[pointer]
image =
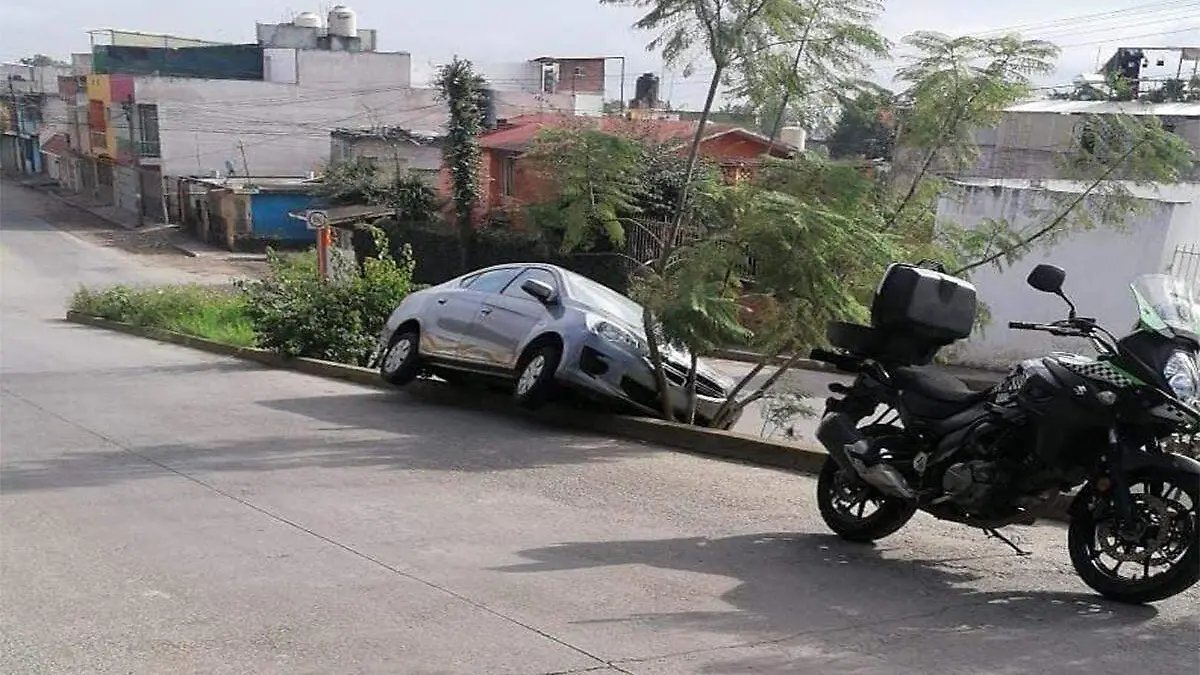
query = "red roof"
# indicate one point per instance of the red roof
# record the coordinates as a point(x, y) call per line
point(518, 133)
point(56, 144)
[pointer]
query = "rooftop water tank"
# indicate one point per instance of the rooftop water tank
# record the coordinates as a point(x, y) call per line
point(307, 20)
point(343, 22)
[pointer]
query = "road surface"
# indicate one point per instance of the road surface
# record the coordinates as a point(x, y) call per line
point(169, 511)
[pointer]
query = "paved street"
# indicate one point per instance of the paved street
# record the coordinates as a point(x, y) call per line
point(168, 511)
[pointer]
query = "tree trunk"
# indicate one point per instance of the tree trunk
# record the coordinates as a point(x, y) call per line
point(787, 93)
point(668, 246)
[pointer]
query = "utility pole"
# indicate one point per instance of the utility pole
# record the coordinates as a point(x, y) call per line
point(245, 164)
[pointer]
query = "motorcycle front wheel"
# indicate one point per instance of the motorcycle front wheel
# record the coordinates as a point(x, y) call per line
point(1153, 558)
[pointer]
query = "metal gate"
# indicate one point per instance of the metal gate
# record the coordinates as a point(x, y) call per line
point(1186, 264)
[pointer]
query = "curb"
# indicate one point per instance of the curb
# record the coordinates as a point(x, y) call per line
point(725, 445)
point(111, 221)
point(978, 382)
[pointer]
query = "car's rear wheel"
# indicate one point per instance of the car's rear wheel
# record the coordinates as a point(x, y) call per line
point(401, 362)
point(535, 375)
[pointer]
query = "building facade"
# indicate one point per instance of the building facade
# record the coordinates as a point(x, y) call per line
point(162, 106)
point(31, 113)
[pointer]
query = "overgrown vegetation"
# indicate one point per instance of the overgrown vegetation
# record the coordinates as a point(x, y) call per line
point(407, 193)
point(203, 311)
point(462, 89)
point(291, 311)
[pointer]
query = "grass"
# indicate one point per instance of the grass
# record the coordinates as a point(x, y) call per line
point(201, 311)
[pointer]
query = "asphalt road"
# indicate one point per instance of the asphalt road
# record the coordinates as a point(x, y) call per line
point(168, 511)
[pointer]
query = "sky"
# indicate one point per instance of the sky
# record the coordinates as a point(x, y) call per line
point(487, 31)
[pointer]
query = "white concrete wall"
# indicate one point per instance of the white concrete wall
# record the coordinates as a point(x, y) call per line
point(336, 70)
point(284, 128)
point(1100, 264)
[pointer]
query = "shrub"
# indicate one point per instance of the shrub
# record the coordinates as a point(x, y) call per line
point(203, 311)
point(296, 314)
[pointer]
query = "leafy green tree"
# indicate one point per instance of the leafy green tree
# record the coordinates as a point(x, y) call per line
point(956, 86)
point(730, 34)
point(802, 83)
point(865, 128)
point(42, 60)
point(462, 89)
point(348, 182)
point(594, 176)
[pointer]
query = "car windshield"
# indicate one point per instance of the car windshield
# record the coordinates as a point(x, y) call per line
point(1167, 304)
point(603, 298)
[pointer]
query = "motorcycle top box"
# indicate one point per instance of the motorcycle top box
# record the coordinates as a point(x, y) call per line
point(915, 312)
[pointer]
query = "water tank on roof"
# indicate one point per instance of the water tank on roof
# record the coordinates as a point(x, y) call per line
point(307, 20)
point(646, 91)
point(343, 22)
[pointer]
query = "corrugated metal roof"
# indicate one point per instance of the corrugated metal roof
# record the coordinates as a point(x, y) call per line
point(1108, 108)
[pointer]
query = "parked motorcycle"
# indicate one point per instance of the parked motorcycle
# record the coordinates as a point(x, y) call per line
point(906, 437)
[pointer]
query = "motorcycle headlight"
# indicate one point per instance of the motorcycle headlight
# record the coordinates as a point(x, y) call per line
point(1183, 376)
point(618, 336)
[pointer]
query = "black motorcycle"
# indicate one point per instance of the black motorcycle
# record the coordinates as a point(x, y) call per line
point(906, 437)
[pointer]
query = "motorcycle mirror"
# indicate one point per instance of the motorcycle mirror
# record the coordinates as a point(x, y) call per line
point(1047, 279)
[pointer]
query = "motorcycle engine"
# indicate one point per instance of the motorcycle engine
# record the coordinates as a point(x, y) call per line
point(970, 484)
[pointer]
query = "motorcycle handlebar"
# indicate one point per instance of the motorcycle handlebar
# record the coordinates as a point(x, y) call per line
point(1021, 325)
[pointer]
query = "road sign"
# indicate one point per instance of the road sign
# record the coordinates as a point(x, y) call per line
point(317, 219)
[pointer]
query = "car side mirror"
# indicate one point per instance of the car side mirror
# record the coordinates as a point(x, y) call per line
point(1047, 279)
point(540, 290)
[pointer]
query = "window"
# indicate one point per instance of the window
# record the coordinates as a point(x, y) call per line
point(493, 281)
point(507, 176)
point(543, 275)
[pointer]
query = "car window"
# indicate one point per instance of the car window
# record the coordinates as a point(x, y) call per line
point(493, 281)
point(542, 275)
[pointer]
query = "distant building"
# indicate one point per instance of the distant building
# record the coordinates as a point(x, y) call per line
point(158, 106)
point(508, 181)
point(391, 150)
point(31, 114)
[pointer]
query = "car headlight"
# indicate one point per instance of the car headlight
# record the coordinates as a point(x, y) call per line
point(1183, 376)
point(618, 336)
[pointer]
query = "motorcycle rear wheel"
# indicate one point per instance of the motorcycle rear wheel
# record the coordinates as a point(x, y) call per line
point(1170, 534)
point(842, 502)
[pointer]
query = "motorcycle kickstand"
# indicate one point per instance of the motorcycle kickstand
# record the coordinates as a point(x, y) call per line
point(993, 532)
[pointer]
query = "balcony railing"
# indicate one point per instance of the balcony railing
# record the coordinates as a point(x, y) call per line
point(149, 149)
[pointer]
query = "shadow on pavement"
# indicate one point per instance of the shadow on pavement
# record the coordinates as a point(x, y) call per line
point(423, 431)
point(813, 599)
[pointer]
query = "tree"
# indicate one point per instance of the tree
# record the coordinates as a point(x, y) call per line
point(348, 182)
point(730, 33)
point(38, 60)
point(463, 91)
point(866, 127)
point(957, 86)
point(837, 41)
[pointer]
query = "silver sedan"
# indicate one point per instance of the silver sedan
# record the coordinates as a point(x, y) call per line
point(541, 327)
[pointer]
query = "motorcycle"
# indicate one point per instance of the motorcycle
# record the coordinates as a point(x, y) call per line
point(905, 436)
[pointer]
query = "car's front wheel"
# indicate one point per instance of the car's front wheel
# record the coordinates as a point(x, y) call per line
point(401, 362)
point(535, 375)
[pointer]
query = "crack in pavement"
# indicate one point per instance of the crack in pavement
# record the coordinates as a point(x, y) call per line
point(328, 540)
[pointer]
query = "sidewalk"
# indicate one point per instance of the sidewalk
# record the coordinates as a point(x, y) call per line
point(174, 234)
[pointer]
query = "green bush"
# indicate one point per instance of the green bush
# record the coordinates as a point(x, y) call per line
point(296, 314)
point(203, 311)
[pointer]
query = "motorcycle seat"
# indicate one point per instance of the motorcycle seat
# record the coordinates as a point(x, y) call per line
point(931, 393)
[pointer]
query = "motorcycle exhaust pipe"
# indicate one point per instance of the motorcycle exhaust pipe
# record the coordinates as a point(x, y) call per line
point(839, 433)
